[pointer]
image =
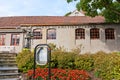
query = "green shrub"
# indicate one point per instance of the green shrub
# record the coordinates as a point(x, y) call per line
point(25, 60)
point(84, 61)
point(104, 65)
point(62, 59)
point(107, 66)
point(66, 60)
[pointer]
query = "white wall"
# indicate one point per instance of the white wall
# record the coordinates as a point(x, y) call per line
point(65, 37)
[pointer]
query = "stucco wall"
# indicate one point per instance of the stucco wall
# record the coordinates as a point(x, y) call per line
point(17, 48)
point(65, 37)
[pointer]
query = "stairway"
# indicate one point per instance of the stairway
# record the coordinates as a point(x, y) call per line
point(8, 66)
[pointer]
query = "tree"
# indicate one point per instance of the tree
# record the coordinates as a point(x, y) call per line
point(110, 9)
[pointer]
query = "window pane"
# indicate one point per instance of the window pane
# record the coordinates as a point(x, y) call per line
point(15, 38)
point(51, 34)
point(2, 39)
point(80, 33)
point(109, 33)
point(37, 34)
point(94, 33)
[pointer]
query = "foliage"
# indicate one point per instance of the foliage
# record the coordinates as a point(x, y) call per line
point(67, 14)
point(52, 46)
point(66, 60)
point(110, 9)
point(62, 59)
point(60, 74)
point(104, 65)
point(110, 15)
point(107, 66)
point(84, 61)
point(25, 60)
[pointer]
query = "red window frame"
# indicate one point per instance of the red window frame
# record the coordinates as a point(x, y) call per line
point(37, 34)
point(109, 33)
point(2, 39)
point(94, 33)
point(15, 39)
point(80, 33)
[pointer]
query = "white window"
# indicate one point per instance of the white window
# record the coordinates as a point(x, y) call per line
point(15, 39)
point(2, 39)
point(51, 34)
point(37, 34)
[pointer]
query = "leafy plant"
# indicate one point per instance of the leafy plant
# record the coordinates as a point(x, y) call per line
point(107, 65)
point(85, 62)
point(25, 60)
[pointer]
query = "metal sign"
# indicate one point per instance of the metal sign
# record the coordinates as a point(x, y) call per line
point(42, 55)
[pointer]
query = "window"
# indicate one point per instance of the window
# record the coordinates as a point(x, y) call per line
point(94, 33)
point(37, 34)
point(109, 33)
point(80, 33)
point(2, 39)
point(15, 39)
point(51, 34)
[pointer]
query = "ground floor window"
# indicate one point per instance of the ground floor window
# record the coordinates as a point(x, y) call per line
point(109, 33)
point(2, 39)
point(37, 34)
point(80, 33)
point(15, 39)
point(51, 34)
point(94, 33)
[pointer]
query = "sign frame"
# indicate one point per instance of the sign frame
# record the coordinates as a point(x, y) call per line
point(48, 58)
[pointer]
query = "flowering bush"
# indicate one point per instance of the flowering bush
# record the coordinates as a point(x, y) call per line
point(59, 74)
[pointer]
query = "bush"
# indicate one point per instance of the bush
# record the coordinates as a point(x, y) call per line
point(85, 62)
point(104, 65)
point(25, 60)
point(62, 59)
point(66, 60)
point(107, 66)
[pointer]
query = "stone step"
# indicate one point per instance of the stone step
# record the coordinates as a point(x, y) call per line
point(8, 68)
point(8, 54)
point(7, 61)
point(7, 64)
point(11, 79)
point(8, 71)
point(9, 75)
point(7, 58)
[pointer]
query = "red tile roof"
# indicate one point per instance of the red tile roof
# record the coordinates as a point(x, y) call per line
point(13, 22)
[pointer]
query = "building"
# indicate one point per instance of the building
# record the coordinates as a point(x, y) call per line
point(92, 34)
point(77, 13)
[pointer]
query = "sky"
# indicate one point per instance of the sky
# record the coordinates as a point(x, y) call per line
point(35, 7)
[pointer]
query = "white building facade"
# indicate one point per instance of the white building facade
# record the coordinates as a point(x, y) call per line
point(92, 35)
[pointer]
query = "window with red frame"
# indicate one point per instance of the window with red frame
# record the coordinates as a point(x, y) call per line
point(51, 34)
point(109, 33)
point(80, 33)
point(2, 39)
point(94, 33)
point(37, 34)
point(15, 39)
